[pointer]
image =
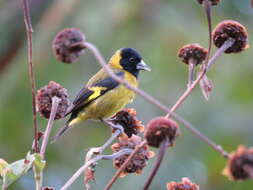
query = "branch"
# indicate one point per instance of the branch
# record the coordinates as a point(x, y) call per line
point(124, 165)
point(218, 53)
point(92, 161)
point(162, 150)
point(155, 102)
point(99, 150)
point(29, 30)
point(55, 103)
point(207, 7)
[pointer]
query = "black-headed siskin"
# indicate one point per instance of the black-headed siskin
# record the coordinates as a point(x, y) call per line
point(102, 97)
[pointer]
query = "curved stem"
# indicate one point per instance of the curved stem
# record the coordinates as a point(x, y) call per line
point(207, 7)
point(55, 103)
point(99, 150)
point(124, 165)
point(90, 162)
point(227, 44)
point(29, 31)
point(162, 150)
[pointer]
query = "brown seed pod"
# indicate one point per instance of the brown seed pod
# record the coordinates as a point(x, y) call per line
point(44, 100)
point(47, 188)
point(186, 184)
point(230, 29)
point(193, 52)
point(159, 129)
point(128, 120)
point(240, 164)
point(213, 2)
point(139, 160)
point(68, 45)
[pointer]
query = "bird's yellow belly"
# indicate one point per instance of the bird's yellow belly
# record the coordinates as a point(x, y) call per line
point(108, 104)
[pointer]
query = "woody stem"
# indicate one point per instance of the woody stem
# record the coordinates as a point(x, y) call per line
point(162, 150)
point(227, 44)
point(29, 31)
point(92, 161)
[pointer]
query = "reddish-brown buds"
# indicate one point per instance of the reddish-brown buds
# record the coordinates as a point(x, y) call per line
point(213, 2)
point(230, 29)
point(193, 52)
point(159, 129)
point(44, 100)
point(139, 160)
point(128, 120)
point(68, 45)
point(47, 188)
point(240, 164)
point(186, 184)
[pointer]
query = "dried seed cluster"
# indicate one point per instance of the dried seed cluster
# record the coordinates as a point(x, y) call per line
point(140, 159)
point(213, 2)
point(68, 45)
point(128, 120)
point(44, 100)
point(230, 29)
point(240, 164)
point(193, 52)
point(47, 188)
point(186, 184)
point(159, 129)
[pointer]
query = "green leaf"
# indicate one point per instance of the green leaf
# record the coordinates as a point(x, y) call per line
point(39, 163)
point(12, 172)
point(3, 166)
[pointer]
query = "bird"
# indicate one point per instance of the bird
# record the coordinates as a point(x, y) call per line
point(102, 96)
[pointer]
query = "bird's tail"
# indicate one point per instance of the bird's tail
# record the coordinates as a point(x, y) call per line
point(60, 132)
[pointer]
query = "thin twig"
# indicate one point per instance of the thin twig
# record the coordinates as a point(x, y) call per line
point(162, 150)
point(55, 103)
point(207, 7)
point(38, 176)
point(191, 72)
point(218, 53)
point(155, 102)
point(90, 162)
point(124, 165)
point(99, 150)
point(29, 30)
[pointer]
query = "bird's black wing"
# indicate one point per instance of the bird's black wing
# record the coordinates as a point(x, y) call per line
point(91, 93)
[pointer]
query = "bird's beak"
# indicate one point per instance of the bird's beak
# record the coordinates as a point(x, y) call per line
point(142, 66)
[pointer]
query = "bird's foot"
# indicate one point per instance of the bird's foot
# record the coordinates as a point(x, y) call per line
point(114, 127)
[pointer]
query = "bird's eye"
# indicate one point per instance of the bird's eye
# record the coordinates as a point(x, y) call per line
point(131, 59)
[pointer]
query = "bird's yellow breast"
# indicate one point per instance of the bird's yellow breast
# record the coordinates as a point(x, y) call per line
point(111, 102)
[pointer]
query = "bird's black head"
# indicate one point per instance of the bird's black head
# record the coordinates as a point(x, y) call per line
point(129, 60)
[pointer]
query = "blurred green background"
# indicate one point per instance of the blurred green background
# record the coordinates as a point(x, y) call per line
point(157, 29)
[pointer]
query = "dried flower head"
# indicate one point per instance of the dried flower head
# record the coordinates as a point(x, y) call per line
point(140, 159)
point(213, 2)
point(186, 184)
point(193, 52)
point(159, 129)
point(128, 120)
point(44, 100)
point(230, 29)
point(240, 164)
point(68, 45)
point(47, 188)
